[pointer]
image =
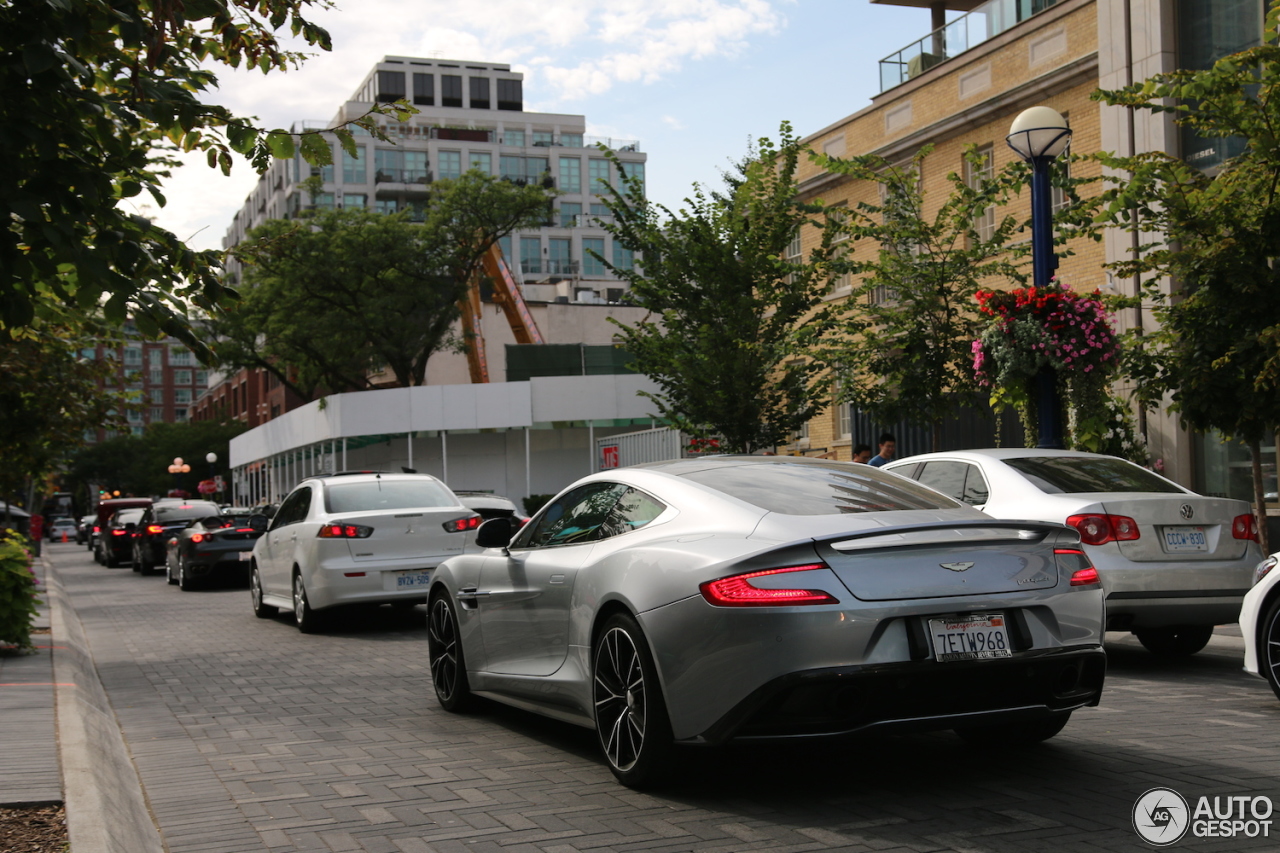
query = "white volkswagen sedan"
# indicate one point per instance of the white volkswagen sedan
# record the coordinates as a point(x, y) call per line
point(365, 538)
point(1173, 563)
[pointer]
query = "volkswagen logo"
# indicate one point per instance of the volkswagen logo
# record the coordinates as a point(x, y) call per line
point(957, 567)
point(1187, 511)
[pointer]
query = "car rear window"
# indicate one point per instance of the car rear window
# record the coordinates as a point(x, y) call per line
point(828, 488)
point(386, 495)
point(181, 512)
point(1057, 475)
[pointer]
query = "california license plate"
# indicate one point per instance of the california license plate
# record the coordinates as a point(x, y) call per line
point(976, 636)
point(1185, 538)
point(246, 555)
point(412, 580)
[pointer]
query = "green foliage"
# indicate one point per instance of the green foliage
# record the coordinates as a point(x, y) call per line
point(333, 296)
point(96, 97)
point(727, 304)
point(18, 599)
point(1217, 346)
point(900, 347)
point(49, 397)
point(138, 465)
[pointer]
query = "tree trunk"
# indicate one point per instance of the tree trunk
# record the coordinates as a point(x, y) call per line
point(1259, 501)
point(935, 439)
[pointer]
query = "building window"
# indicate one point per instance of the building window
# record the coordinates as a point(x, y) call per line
point(156, 397)
point(385, 205)
point(481, 161)
point(180, 415)
point(559, 255)
point(325, 172)
point(136, 430)
point(591, 265)
point(353, 199)
point(479, 93)
point(531, 255)
point(450, 90)
point(623, 258)
point(134, 416)
point(157, 414)
point(976, 174)
point(523, 170)
point(322, 201)
point(424, 90)
point(513, 137)
point(569, 213)
point(202, 378)
point(390, 86)
point(155, 358)
point(1060, 168)
point(1208, 30)
point(179, 355)
point(598, 176)
point(571, 174)
point(182, 377)
point(157, 376)
point(353, 168)
point(510, 96)
point(634, 172)
point(450, 163)
point(571, 140)
point(182, 396)
point(89, 353)
point(543, 139)
point(133, 355)
point(504, 243)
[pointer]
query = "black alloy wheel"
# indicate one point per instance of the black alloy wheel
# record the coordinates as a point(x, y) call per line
point(1269, 646)
point(1177, 641)
point(1014, 735)
point(631, 717)
point(444, 652)
point(262, 611)
point(307, 620)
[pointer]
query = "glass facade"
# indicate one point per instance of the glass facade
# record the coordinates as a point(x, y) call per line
point(1208, 30)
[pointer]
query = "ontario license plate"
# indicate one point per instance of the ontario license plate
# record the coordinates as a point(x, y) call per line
point(976, 636)
point(246, 555)
point(411, 580)
point(1185, 538)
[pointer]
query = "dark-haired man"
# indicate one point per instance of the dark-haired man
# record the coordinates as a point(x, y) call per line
point(887, 445)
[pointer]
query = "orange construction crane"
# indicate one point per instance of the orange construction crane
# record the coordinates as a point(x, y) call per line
point(505, 293)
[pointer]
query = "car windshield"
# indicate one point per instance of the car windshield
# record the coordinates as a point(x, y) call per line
point(828, 488)
point(170, 513)
point(380, 495)
point(1057, 475)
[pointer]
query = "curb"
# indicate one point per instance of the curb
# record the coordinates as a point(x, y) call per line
point(106, 809)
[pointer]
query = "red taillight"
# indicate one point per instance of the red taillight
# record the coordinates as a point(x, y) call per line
point(1245, 527)
point(1082, 571)
point(461, 525)
point(198, 537)
point(97, 529)
point(119, 532)
point(1097, 529)
point(738, 591)
point(245, 530)
point(154, 528)
point(344, 531)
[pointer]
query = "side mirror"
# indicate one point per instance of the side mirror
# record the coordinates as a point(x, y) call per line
point(495, 533)
point(259, 522)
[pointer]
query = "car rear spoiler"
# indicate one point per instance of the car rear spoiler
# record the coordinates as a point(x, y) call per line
point(1040, 529)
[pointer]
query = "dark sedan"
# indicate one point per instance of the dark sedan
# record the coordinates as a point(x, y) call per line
point(115, 540)
point(158, 526)
point(213, 547)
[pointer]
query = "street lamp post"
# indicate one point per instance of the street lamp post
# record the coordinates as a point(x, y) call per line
point(177, 469)
point(1040, 135)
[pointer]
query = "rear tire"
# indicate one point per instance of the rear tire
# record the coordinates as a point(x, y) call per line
point(1269, 647)
point(109, 558)
point(1178, 641)
point(444, 651)
point(186, 583)
point(1014, 735)
point(632, 726)
point(168, 574)
point(307, 620)
point(262, 611)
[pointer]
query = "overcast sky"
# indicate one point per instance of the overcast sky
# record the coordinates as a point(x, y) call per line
point(692, 80)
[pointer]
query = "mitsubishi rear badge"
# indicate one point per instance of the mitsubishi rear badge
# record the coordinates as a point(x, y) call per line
point(957, 567)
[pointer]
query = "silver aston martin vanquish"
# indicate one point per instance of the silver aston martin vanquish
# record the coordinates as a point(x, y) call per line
point(703, 600)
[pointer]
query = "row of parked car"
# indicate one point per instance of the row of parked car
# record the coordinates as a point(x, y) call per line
point(709, 599)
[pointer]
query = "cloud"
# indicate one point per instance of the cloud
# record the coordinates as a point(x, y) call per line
point(673, 122)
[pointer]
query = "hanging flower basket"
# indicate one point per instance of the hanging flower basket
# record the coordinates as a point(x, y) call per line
point(1051, 330)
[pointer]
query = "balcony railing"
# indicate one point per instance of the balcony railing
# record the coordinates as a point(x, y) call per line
point(964, 33)
point(402, 176)
point(543, 180)
point(611, 143)
point(552, 266)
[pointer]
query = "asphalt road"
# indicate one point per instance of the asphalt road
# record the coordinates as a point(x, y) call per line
point(250, 736)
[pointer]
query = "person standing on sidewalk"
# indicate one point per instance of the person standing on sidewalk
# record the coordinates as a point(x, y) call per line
point(887, 446)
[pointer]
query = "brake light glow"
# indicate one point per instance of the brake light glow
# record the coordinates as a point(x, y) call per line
point(1098, 529)
point(119, 532)
point(1084, 574)
point(738, 591)
point(461, 525)
point(1085, 577)
point(154, 528)
point(344, 531)
point(198, 537)
point(1245, 527)
point(97, 529)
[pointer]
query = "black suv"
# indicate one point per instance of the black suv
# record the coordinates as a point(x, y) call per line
point(159, 524)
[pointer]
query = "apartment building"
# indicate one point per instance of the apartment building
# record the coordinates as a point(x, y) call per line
point(471, 116)
point(964, 81)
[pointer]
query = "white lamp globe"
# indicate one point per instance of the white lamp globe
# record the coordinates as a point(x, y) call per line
point(1039, 132)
